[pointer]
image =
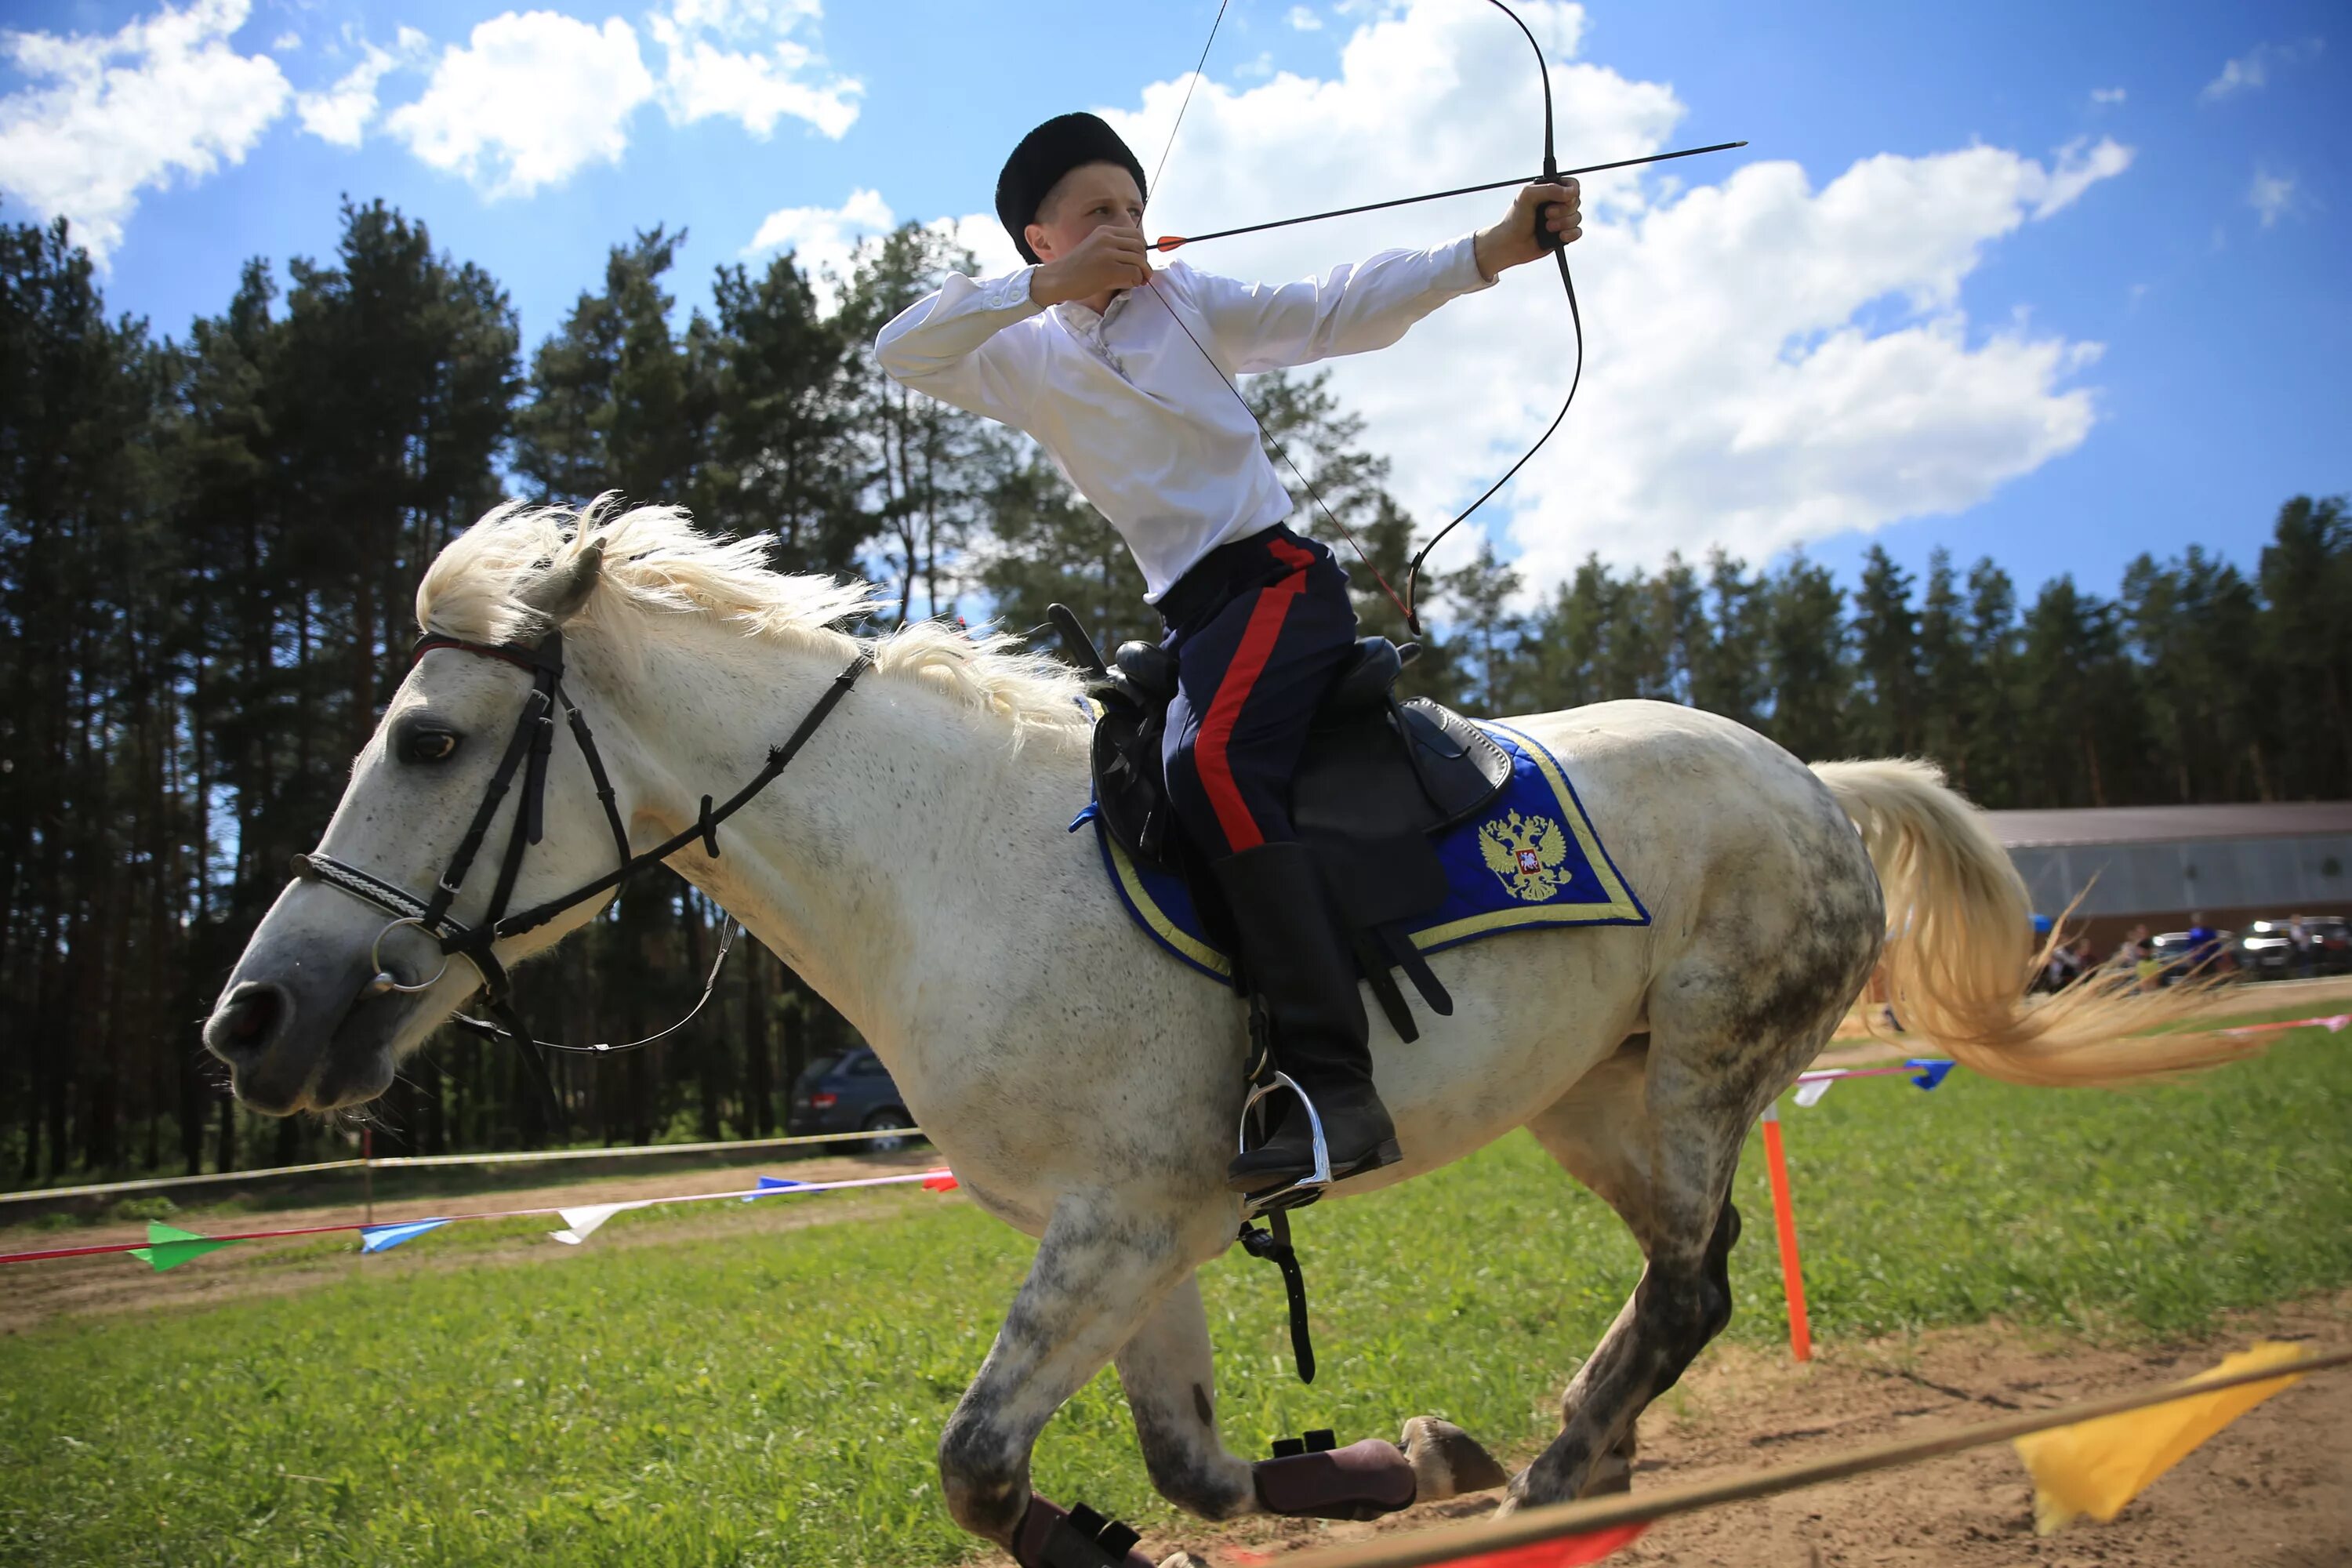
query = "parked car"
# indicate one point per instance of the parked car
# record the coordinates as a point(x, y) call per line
point(2331, 944)
point(850, 1093)
point(2179, 956)
point(2267, 950)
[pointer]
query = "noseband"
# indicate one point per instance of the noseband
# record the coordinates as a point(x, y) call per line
point(526, 753)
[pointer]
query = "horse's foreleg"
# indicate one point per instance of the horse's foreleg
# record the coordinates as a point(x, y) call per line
point(1101, 1269)
point(1171, 1388)
point(1169, 1376)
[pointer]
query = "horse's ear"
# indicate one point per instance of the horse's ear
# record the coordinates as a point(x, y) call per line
point(558, 595)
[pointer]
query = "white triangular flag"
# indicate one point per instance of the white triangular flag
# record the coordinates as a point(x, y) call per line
point(1811, 1091)
point(581, 1222)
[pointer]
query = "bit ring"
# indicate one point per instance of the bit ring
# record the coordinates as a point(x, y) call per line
point(384, 980)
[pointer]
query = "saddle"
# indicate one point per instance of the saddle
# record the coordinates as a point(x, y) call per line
point(1377, 779)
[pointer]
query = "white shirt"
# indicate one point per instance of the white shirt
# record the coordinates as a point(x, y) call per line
point(1131, 410)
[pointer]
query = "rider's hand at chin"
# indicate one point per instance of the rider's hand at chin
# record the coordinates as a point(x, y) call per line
point(1110, 257)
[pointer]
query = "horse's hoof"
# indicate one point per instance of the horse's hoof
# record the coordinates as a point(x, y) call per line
point(1613, 1473)
point(1184, 1559)
point(1447, 1461)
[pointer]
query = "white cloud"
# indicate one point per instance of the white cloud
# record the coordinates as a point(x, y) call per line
point(2078, 166)
point(534, 95)
point(984, 236)
point(701, 81)
point(2272, 196)
point(1768, 362)
point(286, 43)
point(823, 239)
point(531, 98)
point(2251, 71)
point(701, 78)
point(341, 113)
point(1304, 20)
point(104, 118)
point(2104, 96)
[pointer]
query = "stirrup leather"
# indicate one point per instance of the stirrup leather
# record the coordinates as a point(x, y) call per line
point(1306, 1188)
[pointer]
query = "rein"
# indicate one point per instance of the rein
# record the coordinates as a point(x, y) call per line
point(526, 753)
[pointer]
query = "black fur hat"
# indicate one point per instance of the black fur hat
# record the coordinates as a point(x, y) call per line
point(1064, 143)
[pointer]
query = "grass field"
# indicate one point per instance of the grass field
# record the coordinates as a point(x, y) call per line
point(775, 1397)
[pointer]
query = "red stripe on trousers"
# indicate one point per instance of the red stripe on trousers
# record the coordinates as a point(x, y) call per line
point(1265, 629)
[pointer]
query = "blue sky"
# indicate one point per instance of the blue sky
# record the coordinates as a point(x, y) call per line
point(2053, 284)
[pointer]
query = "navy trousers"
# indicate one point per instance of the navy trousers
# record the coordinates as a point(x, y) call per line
point(1260, 629)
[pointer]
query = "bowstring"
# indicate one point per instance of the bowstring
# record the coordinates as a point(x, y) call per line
point(1170, 145)
point(1151, 284)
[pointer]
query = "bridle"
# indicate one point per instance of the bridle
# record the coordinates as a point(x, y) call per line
point(526, 753)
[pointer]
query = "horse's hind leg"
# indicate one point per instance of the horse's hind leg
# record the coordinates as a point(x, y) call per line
point(1657, 1132)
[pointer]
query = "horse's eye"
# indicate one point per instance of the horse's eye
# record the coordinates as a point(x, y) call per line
point(427, 746)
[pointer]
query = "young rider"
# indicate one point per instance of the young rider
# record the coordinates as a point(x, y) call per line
point(1086, 350)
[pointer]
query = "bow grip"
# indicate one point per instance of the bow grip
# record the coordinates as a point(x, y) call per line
point(1545, 238)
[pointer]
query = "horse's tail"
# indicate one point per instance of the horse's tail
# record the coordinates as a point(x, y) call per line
point(1959, 949)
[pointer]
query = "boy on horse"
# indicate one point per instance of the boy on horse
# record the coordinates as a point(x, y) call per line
point(1151, 430)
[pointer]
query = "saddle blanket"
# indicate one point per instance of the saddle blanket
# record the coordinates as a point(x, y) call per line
point(1530, 859)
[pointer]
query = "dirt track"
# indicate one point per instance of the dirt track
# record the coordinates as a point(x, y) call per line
point(2273, 1491)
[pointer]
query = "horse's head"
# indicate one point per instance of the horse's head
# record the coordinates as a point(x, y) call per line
point(307, 1019)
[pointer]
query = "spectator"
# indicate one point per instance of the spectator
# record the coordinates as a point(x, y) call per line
point(2203, 943)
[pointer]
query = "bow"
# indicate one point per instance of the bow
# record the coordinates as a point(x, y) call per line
point(1557, 245)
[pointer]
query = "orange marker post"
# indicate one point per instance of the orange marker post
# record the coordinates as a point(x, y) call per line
point(1784, 1221)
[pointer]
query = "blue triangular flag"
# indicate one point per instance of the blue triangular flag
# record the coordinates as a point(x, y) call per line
point(774, 1184)
point(1931, 1070)
point(385, 1237)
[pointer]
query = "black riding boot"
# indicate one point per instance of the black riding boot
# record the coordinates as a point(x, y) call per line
point(1302, 973)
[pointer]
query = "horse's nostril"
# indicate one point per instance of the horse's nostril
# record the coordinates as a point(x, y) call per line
point(251, 1015)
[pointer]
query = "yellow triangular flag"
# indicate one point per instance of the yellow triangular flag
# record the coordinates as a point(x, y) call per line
point(2095, 1467)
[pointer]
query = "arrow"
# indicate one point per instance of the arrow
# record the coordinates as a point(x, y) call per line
point(1168, 242)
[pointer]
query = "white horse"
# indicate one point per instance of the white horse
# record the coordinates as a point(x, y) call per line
point(912, 865)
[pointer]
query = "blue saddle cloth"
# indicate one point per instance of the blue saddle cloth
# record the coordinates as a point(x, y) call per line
point(1530, 859)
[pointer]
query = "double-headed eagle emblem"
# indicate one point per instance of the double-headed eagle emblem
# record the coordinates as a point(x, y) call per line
point(1527, 853)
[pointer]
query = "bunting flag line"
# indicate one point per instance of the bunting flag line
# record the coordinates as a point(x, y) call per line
point(168, 1246)
point(1926, 1072)
point(772, 1184)
point(2333, 1026)
point(385, 1237)
point(1929, 1072)
point(2097, 1467)
point(580, 1224)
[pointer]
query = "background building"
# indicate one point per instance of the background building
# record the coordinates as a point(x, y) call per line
point(2157, 865)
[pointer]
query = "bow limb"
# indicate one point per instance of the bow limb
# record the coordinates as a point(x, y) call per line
point(1559, 248)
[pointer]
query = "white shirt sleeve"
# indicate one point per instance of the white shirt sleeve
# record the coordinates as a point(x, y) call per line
point(952, 345)
point(1351, 310)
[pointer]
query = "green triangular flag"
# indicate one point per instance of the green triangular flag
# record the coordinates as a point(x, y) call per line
point(168, 1246)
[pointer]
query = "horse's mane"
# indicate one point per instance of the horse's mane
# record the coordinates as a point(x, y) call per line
point(655, 560)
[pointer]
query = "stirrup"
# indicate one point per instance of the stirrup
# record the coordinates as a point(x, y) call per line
point(1297, 1195)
